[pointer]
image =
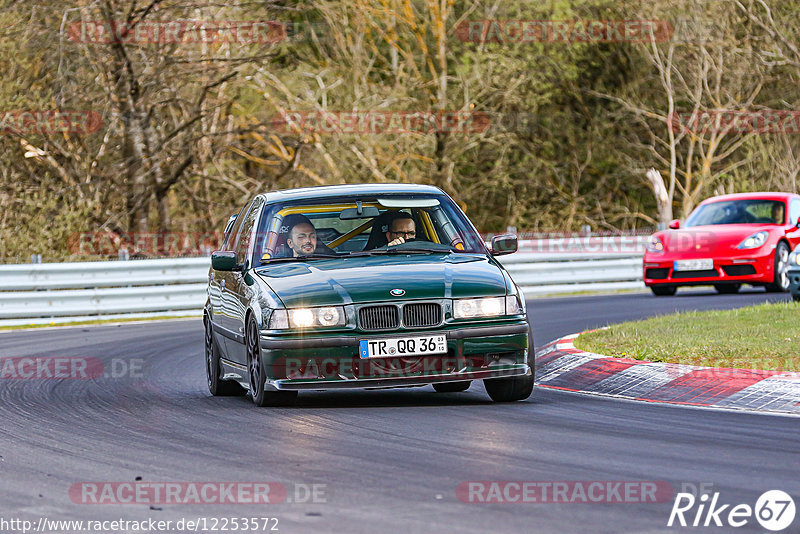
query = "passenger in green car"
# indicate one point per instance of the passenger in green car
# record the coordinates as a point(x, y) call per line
point(301, 237)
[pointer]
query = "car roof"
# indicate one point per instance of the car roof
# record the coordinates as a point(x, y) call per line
point(751, 196)
point(349, 189)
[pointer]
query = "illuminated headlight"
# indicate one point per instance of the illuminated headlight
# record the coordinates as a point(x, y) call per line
point(307, 318)
point(755, 240)
point(486, 307)
point(655, 245)
point(302, 318)
point(794, 258)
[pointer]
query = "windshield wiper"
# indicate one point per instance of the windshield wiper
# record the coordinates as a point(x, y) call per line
point(396, 251)
point(426, 250)
point(373, 253)
point(302, 257)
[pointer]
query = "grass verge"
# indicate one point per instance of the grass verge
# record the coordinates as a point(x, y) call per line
point(766, 337)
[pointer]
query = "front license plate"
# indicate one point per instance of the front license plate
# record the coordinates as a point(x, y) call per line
point(402, 346)
point(693, 265)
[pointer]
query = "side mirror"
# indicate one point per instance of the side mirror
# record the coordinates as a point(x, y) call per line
point(674, 224)
point(224, 260)
point(504, 244)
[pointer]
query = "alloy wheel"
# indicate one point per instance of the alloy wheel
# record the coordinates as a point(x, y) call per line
point(782, 266)
point(209, 346)
point(253, 358)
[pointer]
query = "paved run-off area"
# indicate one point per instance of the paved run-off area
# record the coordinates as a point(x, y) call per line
point(390, 459)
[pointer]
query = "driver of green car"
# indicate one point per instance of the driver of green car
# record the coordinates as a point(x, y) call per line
point(401, 229)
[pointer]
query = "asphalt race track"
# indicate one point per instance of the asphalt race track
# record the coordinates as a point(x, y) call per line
point(389, 460)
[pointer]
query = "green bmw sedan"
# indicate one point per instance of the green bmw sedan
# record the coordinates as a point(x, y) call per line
point(362, 286)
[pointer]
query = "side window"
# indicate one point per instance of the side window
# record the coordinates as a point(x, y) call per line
point(230, 237)
point(246, 232)
point(229, 225)
point(794, 211)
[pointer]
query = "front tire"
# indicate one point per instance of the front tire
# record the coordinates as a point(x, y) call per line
point(663, 291)
point(216, 385)
point(780, 283)
point(511, 389)
point(258, 376)
point(727, 289)
point(452, 387)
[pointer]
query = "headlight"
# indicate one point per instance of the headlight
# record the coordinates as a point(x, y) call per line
point(307, 318)
point(302, 318)
point(513, 306)
point(755, 240)
point(486, 307)
point(655, 245)
point(794, 258)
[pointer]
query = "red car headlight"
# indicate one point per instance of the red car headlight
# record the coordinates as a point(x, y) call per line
point(755, 240)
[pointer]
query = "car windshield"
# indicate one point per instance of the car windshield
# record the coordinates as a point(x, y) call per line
point(369, 225)
point(751, 211)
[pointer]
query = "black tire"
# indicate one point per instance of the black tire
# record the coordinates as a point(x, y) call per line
point(511, 389)
point(663, 291)
point(258, 375)
point(780, 282)
point(727, 289)
point(796, 297)
point(216, 385)
point(452, 387)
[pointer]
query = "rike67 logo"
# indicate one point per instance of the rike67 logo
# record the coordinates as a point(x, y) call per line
point(774, 510)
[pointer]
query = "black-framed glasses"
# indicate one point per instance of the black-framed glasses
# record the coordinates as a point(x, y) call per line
point(405, 235)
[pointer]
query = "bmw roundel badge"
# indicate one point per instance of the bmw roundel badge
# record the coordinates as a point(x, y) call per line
point(397, 292)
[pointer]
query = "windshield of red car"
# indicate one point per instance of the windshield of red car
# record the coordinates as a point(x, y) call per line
point(750, 211)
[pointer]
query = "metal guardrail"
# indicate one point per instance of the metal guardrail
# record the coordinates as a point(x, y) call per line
point(61, 292)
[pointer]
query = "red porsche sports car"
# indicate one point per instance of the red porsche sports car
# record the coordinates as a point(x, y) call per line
point(727, 241)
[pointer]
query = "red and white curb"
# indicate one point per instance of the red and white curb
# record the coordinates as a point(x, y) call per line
point(559, 365)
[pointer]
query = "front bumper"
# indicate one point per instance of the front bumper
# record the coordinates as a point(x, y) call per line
point(404, 381)
point(746, 268)
point(325, 363)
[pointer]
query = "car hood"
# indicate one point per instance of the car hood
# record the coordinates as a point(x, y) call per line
point(712, 239)
point(335, 281)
